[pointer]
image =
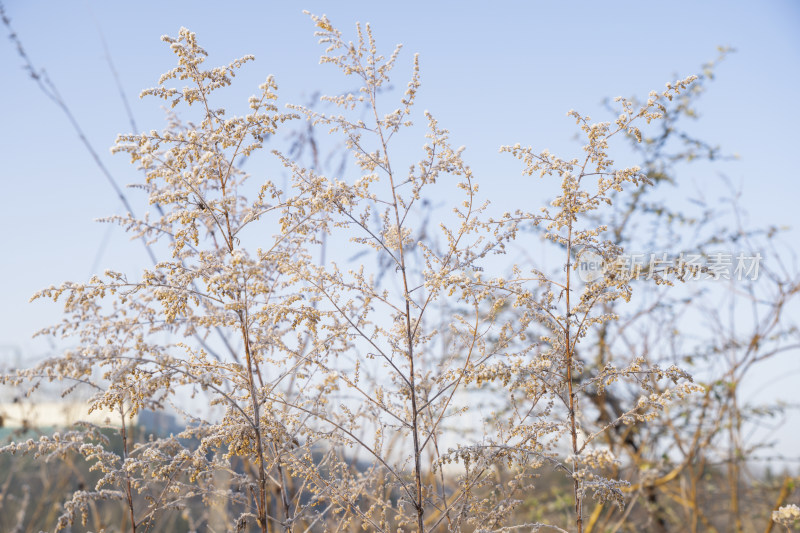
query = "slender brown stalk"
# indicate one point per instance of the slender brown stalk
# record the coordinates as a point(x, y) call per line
point(128, 489)
point(569, 352)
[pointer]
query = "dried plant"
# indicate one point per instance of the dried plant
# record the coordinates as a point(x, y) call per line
point(416, 380)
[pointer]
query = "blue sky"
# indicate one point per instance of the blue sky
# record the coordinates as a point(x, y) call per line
point(493, 73)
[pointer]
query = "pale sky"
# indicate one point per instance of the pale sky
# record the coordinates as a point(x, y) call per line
point(493, 73)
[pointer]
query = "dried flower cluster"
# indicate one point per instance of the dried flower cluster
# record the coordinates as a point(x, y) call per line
point(788, 516)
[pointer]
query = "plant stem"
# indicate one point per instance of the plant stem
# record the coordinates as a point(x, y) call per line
point(569, 349)
point(128, 490)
